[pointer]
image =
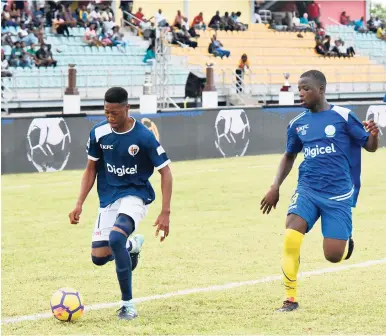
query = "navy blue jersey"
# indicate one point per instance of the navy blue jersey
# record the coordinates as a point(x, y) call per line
point(125, 161)
point(331, 141)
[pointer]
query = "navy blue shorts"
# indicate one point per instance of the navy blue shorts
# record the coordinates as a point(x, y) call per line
point(335, 213)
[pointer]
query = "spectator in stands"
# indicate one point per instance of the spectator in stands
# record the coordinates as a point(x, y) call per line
point(381, 32)
point(160, 20)
point(321, 50)
point(15, 12)
point(117, 39)
point(90, 35)
point(60, 27)
point(198, 22)
point(340, 50)
point(377, 22)
point(32, 52)
point(4, 66)
point(179, 19)
point(107, 14)
point(359, 25)
point(327, 42)
point(236, 22)
point(29, 37)
point(139, 16)
point(217, 49)
point(344, 19)
point(150, 54)
point(227, 22)
point(25, 60)
point(44, 56)
point(313, 11)
point(68, 17)
point(215, 21)
point(240, 71)
point(16, 53)
point(108, 25)
point(83, 16)
point(95, 17)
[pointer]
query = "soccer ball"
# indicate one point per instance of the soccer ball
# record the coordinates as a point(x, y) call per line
point(48, 144)
point(232, 132)
point(67, 304)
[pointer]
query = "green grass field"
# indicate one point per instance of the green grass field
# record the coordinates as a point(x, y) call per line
point(218, 236)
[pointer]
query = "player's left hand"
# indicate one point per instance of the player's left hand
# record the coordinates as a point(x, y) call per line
point(162, 224)
point(371, 127)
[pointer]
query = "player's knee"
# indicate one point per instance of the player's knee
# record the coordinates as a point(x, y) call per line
point(125, 223)
point(100, 261)
point(117, 239)
point(333, 258)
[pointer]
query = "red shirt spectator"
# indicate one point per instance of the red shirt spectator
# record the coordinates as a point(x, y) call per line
point(139, 15)
point(343, 18)
point(198, 19)
point(313, 10)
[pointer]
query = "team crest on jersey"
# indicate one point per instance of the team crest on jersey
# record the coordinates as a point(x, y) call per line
point(133, 150)
point(330, 131)
point(302, 129)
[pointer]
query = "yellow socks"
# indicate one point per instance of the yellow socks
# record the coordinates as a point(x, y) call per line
point(290, 261)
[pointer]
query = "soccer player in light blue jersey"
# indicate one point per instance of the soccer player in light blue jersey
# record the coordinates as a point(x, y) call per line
point(122, 155)
point(331, 138)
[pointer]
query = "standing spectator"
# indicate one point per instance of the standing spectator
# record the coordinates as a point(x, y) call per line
point(139, 16)
point(160, 20)
point(198, 22)
point(344, 19)
point(215, 21)
point(150, 54)
point(313, 11)
point(240, 71)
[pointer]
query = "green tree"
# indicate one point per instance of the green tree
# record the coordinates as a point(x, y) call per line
point(378, 10)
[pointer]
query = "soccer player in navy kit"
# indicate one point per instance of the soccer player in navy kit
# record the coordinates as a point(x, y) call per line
point(329, 177)
point(122, 155)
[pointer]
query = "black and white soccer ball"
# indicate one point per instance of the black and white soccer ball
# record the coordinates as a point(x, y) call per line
point(48, 144)
point(232, 132)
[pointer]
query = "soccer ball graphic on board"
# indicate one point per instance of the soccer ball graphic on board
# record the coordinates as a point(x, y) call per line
point(232, 132)
point(48, 144)
point(67, 304)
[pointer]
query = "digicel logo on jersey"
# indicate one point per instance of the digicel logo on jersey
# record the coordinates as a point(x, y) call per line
point(315, 151)
point(120, 171)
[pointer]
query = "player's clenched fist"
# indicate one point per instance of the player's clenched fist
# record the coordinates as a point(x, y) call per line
point(74, 215)
point(270, 200)
point(162, 224)
point(371, 127)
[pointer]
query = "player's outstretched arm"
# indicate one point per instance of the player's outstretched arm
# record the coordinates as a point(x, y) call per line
point(372, 143)
point(162, 222)
point(87, 183)
point(272, 197)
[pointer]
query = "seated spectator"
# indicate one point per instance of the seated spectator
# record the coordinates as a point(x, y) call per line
point(16, 53)
point(313, 11)
point(198, 22)
point(107, 14)
point(217, 48)
point(215, 21)
point(44, 57)
point(359, 25)
point(29, 38)
point(25, 60)
point(95, 17)
point(108, 25)
point(14, 12)
point(183, 36)
point(340, 50)
point(327, 42)
point(90, 35)
point(227, 22)
point(31, 50)
point(236, 21)
point(150, 54)
point(160, 20)
point(4, 66)
point(179, 19)
point(304, 19)
point(83, 17)
point(377, 22)
point(321, 50)
point(69, 18)
point(117, 39)
point(59, 26)
point(381, 32)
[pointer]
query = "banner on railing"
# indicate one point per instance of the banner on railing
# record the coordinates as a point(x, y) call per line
point(57, 143)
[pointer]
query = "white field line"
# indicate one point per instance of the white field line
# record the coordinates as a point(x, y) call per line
point(215, 288)
point(25, 186)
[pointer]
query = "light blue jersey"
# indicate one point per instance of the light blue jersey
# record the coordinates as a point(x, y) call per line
point(329, 176)
point(126, 161)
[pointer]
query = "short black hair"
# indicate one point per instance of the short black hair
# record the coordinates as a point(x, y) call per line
point(315, 75)
point(116, 95)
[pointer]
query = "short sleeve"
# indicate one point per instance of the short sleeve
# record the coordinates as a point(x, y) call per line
point(93, 149)
point(294, 145)
point(356, 130)
point(157, 153)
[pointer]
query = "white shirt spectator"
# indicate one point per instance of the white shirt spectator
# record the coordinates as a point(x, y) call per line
point(377, 23)
point(106, 15)
point(296, 21)
point(158, 18)
point(108, 27)
point(4, 64)
point(95, 15)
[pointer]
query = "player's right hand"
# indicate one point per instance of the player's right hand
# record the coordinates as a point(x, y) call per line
point(270, 200)
point(74, 215)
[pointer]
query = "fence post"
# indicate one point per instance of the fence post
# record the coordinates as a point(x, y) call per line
point(71, 98)
point(209, 94)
